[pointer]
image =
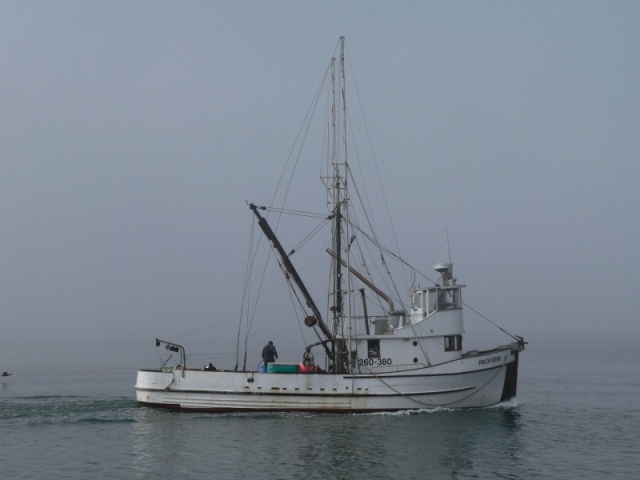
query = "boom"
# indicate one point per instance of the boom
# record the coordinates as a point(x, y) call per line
point(262, 222)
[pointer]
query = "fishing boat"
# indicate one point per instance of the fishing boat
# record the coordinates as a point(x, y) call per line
point(374, 351)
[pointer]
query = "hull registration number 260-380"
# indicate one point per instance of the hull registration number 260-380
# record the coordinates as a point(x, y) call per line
point(374, 361)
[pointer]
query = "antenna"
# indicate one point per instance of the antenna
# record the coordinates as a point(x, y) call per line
point(446, 232)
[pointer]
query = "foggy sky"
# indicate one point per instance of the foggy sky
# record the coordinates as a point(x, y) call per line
point(132, 133)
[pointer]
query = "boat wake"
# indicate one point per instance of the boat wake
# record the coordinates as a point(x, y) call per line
point(506, 405)
point(47, 410)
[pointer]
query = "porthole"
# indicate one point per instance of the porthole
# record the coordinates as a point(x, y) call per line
point(415, 344)
point(415, 360)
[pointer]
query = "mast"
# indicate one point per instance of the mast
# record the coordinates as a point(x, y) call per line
point(340, 211)
point(343, 97)
point(266, 228)
point(335, 197)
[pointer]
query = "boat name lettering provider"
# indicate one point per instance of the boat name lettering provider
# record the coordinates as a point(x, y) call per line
point(487, 361)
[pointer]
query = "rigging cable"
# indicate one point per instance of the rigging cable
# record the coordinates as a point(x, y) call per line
point(306, 122)
point(432, 281)
point(375, 240)
point(375, 161)
point(245, 294)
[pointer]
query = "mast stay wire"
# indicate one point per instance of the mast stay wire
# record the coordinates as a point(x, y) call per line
point(401, 260)
point(299, 140)
point(373, 155)
point(389, 217)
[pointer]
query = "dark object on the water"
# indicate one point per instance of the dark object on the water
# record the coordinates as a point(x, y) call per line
point(210, 367)
point(6, 374)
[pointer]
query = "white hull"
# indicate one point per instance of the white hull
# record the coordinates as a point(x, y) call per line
point(473, 381)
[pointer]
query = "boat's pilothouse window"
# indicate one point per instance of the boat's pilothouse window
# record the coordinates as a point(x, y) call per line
point(448, 299)
point(452, 343)
point(433, 297)
point(442, 299)
point(373, 348)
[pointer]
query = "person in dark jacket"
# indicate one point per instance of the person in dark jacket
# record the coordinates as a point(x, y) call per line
point(269, 354)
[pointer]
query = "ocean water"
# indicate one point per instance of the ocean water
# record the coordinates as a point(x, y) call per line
point(577, 415)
